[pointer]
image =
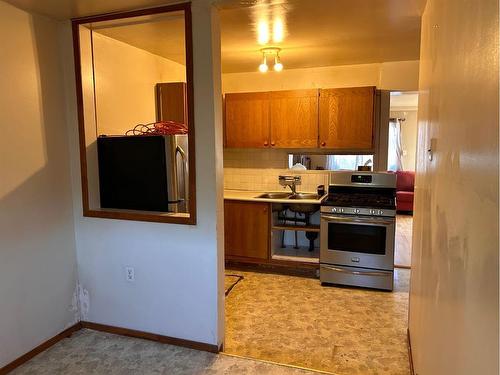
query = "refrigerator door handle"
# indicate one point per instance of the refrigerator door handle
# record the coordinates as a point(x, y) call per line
point(179, 150)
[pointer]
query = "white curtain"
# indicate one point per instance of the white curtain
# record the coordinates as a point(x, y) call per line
point(347, 162)
point(395, 151)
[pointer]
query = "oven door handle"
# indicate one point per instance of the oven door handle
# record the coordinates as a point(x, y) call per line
point(362, 273)
point(354, 220)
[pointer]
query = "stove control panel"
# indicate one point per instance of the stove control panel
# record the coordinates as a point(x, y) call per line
point(357, 211)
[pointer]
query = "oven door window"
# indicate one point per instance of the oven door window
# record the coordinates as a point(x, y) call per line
point(367, 239)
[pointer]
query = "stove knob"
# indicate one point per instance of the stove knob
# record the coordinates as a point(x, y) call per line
point(356, 210)
point(334, 210)
point(380, 212)
point(342, 210)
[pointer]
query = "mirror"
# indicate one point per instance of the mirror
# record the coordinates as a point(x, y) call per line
point(135, 102)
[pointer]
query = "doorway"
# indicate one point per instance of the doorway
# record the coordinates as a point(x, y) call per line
point(401, 155)
point(282, 313)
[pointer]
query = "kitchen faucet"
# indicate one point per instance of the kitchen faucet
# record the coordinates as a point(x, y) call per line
point(291, 182)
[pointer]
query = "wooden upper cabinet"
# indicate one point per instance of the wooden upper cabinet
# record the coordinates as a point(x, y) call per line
point(346, 118)
point(294, 118)
point(247, 120)
point(171, 102)
point(339, 119)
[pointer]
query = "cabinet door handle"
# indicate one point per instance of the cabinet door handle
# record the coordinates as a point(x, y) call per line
point(273, 144)
point(266, 143)
point(323, 144)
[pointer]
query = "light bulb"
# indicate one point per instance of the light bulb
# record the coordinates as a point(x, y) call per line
point(278, 66)
point(263, 67)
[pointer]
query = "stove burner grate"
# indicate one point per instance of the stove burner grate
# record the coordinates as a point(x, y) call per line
point(360, 200)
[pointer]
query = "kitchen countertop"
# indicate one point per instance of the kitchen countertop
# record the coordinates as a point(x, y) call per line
point(248, 195)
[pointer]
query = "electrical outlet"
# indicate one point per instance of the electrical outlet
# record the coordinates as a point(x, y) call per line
point(130, 274)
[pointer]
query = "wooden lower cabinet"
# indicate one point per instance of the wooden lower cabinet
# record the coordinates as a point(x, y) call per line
point(246, 229)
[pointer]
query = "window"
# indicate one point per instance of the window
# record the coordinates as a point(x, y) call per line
point(394, 153)
point(330, 162)
point(134, 81)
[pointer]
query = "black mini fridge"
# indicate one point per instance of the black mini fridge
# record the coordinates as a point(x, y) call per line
point(133, 172)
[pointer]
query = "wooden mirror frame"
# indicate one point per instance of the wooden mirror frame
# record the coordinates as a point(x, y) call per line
point(162, 217)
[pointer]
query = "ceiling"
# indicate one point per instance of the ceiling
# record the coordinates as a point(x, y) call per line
point(322, 32)
point(67, 9)
point(316, 32)
point(161, 34)
point(404, 100)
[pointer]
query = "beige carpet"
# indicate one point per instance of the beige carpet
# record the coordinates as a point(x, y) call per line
point(296, 321)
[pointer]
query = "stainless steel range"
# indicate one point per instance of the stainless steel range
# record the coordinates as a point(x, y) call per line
point(358, 221)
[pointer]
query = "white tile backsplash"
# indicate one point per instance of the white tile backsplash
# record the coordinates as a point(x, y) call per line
point(267, 179)
point(258, 170)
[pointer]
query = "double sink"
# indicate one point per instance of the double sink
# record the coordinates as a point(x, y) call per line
point(289, 196)
point(306, 208)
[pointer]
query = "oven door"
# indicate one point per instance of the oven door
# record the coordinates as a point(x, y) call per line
point(365, 242)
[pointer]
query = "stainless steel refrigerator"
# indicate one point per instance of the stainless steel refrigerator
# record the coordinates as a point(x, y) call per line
point(171, 105)
point(176, 151)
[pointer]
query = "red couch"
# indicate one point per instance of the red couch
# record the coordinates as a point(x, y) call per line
point(405, 186)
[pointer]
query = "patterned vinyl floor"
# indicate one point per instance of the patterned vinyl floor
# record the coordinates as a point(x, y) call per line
point(294, 320)
point(89, 352)
point(402, 253)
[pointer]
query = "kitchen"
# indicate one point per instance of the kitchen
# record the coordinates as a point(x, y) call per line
point(312, 226)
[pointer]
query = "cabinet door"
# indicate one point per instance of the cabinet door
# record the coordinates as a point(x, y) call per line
point(294, 119)
point(346, 119)
point(246, 229)
point(247, 120)
point(171, 102)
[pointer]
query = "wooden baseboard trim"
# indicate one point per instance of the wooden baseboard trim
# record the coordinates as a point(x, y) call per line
point(276, 268)
point(151, 336)
point(40, 348)
point(109, 329)
point(410, 355)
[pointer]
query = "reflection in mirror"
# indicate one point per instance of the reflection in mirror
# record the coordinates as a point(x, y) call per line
point(330, 162)
point(136, 116)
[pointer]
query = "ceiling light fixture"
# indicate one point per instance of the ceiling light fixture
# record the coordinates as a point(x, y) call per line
point(274, 53)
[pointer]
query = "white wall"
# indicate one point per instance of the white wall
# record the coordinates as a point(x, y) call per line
point(178, 288)
point(125, 79)
point(453, 315)
point(399, 75)
point(37, 246)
